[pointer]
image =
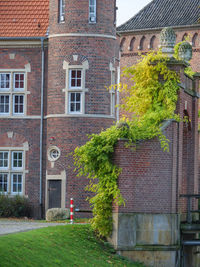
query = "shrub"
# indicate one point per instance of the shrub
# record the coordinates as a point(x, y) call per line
point(17, 206)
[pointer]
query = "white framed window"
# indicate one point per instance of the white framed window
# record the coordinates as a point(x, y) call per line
point(61, 11)
point(4, 104)
point(13, 93)
point(16, 183)
point(75, 91)
point(92, 11)
point(17, 160)
point(3, 183)
point(3, 159)
point(112, 90)
point(4, 81)
point(75, 102)
point(18, 104)
point(53, 153)
point(19, 81)
point(75, 78)
point(75, 87)
point(12, 171)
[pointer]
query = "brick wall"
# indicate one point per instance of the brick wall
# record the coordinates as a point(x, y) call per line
point(25, 130)
point(129, 58)
point(152, 180)
point(77, 17)
point(70, 131)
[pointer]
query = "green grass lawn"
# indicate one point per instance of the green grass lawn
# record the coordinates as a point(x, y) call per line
point(70, 245)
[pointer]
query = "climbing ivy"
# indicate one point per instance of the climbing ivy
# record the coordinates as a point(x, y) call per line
point(150, 99)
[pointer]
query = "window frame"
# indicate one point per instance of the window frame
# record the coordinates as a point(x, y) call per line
point(12, 160)
point(70, 102)
point(93, 14)
point(14, 103)
point(12, 183)
point(13, 91)
point(5, 89)
point(76, 78)
point(83, 66)
point(14, 80)
point(5, 192)
point(11, 170)
point(5, 167)
point(61, 9)
point(4, 104)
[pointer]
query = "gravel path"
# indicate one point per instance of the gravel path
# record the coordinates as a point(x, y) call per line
point(11, 226)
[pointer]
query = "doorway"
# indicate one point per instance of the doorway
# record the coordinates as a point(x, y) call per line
point(54, 190)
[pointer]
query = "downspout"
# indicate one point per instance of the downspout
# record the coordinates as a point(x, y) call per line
point(118, 82)
point(41, 122)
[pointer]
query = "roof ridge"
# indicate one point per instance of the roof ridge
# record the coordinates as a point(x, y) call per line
point(136, 14)
point(163, 13)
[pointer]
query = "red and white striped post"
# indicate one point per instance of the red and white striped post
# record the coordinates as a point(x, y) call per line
point(71, 210)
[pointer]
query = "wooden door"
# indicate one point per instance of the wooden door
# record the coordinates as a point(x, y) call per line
point(54, 194)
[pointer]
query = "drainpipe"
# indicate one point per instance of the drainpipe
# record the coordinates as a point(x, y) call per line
point(41, 121)
point(118, 81)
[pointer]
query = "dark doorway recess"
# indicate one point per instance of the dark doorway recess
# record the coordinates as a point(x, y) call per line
point(54, 194)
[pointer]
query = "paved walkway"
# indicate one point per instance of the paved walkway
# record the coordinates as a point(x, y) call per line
point(11, 226)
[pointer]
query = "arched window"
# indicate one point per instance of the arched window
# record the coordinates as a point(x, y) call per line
point(132, 44)
point(122, 44)
point(152, 42)
point(194, 40)
point(184, 38)
point(141, 47)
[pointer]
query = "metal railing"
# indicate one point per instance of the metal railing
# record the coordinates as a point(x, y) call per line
point(189, 205)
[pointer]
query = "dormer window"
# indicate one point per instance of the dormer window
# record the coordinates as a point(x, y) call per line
point(61, 10)
point(92, 11)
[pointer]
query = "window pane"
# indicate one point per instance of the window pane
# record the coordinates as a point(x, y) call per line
point(17, 183)
point(78, 74)
point(4, 80)
point(14, 188)
point(78, 106)
point(78, 83)
point(4, 103)
point(75, 78)
point(72, 107)
point(19, 81)
point(3, 159)
point(3, 182)
point(17, 159)
point(78, 97)
point(61, 10)
point(18, 104)
point(14, 178)
point(73, 82)
point(72, 96)
point(75, 102)
point(73, 74)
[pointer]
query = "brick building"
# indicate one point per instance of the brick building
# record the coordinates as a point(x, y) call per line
point(140, 34)
point(152, 226)
point(56, 58)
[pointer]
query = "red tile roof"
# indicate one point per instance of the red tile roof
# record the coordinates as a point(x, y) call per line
point(24, 18)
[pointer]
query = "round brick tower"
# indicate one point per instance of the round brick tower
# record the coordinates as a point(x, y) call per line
point(81, 64)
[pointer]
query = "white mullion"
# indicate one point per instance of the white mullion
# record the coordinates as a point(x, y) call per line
point(9, 170)
point(11, 94)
